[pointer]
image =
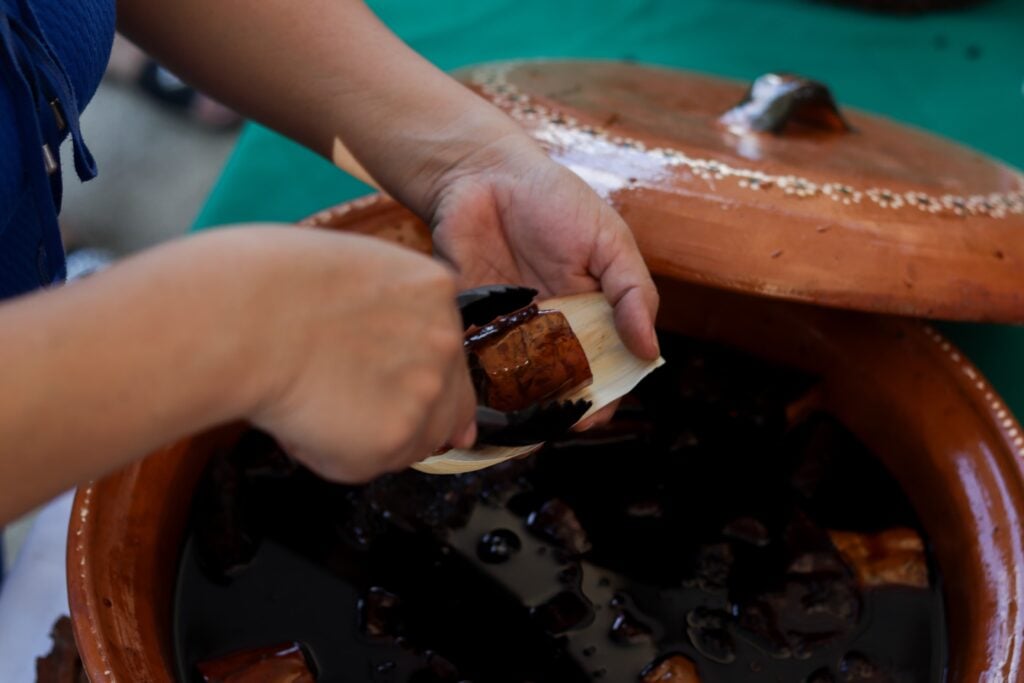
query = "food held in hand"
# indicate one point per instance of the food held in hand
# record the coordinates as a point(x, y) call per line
point(538, 369)
point(524, 358)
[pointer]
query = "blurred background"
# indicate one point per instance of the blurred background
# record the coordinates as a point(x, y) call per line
point(159, 152)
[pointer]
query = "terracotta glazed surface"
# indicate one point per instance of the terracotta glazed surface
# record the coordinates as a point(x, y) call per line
point(899, 386)
point(880, 218)
point(123, 547)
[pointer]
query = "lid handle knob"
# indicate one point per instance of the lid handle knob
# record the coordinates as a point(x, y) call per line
point(775, 101)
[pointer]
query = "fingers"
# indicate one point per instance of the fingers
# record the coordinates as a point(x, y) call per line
point(460, 396)
point(456, 417)
point(450, 415)
point(627, 284)
point(635, 322)
point(464, 429)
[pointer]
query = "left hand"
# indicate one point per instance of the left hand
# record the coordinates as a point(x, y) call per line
point(514, 216)
point(520, 218)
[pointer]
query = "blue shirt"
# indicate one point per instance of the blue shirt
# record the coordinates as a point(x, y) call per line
point(52, 57)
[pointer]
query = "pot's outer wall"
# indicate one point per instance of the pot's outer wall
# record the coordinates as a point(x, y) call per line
point(928, 414)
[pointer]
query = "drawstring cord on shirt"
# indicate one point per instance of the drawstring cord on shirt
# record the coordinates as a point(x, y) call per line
point(47, 106)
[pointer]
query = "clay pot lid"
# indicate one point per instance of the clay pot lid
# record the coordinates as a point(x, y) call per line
point(771, 189)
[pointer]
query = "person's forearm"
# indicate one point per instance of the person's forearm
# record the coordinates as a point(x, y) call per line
point(324, 72)
point(106, 369)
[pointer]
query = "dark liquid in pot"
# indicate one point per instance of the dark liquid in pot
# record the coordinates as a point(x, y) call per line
point(695, 524)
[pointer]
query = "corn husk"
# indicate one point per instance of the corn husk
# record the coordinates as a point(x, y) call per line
point(615, 369)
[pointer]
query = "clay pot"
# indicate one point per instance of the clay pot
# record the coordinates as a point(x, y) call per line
point(818, 206)
point(907, 393)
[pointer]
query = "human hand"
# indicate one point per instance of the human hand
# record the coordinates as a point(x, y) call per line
point(513, 215)
point(359, 350)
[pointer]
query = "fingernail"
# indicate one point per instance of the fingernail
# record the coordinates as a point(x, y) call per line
point(652, 338)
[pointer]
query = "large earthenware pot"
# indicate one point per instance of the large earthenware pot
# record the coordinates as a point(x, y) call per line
point(813, 206)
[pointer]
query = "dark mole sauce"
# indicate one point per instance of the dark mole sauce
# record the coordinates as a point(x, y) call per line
point(500, 325)
point(694, 524)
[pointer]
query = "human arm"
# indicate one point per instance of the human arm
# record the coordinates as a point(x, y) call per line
point(330, 75)
point(295, 330)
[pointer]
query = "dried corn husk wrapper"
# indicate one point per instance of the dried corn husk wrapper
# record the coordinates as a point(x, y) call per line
point(615, 369)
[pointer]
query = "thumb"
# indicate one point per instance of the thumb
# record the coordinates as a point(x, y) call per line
point(627, 284)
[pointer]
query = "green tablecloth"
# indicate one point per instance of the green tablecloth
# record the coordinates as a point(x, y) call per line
point(960, 74)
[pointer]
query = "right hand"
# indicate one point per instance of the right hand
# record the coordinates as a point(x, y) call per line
point(358, 351)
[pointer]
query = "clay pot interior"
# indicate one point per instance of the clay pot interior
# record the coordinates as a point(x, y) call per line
point(905, 392)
